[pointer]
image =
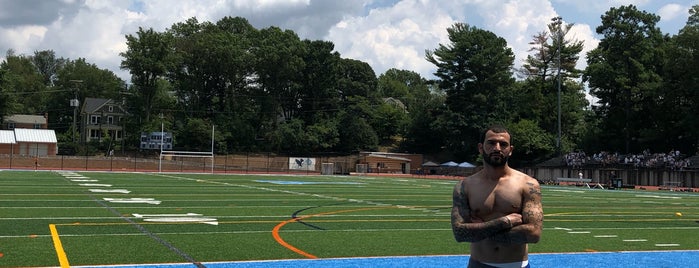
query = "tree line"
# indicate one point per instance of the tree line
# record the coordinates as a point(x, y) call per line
point(267, 90)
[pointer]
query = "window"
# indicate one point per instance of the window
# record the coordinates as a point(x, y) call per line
point(111, 108)
point(110, 119)
point(94, 119)
point(94, 133)
point(10, 125)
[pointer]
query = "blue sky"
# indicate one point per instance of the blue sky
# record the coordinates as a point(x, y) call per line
point(384, 33)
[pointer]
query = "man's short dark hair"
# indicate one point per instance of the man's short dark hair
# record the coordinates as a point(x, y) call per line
point(497, 128)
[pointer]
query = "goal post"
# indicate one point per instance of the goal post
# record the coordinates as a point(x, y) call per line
point(187, 154)
point(170, 155)
point(362, 169)
point(327, 169)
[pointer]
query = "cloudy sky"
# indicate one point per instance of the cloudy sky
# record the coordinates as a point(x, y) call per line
point(384, 33)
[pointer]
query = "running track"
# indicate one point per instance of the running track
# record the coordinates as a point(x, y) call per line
point(669, 259)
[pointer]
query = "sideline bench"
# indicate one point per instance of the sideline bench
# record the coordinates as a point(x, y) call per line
point(573, 180)
point(578, 181)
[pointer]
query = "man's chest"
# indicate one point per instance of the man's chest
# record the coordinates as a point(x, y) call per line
point(495, 203)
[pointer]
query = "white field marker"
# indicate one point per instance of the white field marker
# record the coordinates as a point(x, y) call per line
point(95, 185)
point(166, 215)
point(84, 180)
point(177, 218)
point(133, 200)
point(635, 240)
point(210, 221)
point(118, 191)
point(579, 232)
point(605, 236)
point(667, 245)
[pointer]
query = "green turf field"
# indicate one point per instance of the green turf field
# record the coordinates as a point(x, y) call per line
point(85, 218)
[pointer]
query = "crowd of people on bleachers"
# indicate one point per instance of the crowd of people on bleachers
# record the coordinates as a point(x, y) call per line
point(672, 160)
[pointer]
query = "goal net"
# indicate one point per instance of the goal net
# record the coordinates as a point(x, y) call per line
point(328, 169)
point(190, 160)
point(362, 169)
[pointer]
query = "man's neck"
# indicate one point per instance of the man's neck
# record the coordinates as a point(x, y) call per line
point(495, 173)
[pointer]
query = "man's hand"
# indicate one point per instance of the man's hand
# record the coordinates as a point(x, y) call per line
point(514, 219)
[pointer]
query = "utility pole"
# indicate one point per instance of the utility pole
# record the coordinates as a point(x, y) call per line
point(75, 103)
point(557, 21)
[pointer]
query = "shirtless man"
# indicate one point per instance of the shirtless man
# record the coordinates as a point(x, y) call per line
point(498, 210)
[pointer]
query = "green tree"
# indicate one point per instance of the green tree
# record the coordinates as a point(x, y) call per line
point(405, 95)
point(279, 67)
point(424, 133)
point(537, 96)
point(319, 95)
point(623, 74)
point(4, 96)
point(48, 65)
point(681, 76)
point(532, 143)
point(357, 87)
point(475, 72)
point(148, 59)
point(213, 78)
point(24, 86)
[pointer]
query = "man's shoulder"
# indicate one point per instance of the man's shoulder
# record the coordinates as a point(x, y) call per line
point(525, 178)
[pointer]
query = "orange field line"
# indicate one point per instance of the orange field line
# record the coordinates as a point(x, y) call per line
point(278, 238)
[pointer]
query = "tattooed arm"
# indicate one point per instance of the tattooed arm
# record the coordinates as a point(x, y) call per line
point(532, 218)
point(467, 227)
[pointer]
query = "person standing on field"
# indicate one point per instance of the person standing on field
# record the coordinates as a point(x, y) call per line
point(498, 209)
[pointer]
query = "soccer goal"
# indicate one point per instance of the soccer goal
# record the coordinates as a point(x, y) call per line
point(174, 155)
point(328, 169)
point(182, 155)
point(362, 169)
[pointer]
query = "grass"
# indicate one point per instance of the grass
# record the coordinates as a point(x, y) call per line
point(339, 217)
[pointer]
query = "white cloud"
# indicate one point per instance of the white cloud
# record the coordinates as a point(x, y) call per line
point(672, 11)
point(393, 37)
point(384, 33)
point(518, 22)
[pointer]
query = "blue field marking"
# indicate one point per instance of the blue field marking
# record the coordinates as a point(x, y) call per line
point(659, 259)
point(307, 182)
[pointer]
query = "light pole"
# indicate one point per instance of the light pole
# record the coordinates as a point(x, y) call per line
point(559, 39)
point(75, 103)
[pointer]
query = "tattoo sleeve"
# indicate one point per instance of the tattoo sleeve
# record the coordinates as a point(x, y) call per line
point(465, 227)
point(532, 219)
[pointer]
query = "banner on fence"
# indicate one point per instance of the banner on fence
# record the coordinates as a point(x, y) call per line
point(302, 163)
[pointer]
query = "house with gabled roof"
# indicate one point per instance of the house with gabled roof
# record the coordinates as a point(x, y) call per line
point(101, 118)
point(10, 122)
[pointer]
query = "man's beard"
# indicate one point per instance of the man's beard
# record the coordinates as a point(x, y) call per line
point(495, 159)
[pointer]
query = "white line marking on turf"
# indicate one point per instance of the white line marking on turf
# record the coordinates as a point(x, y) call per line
point(568, 191)
point(165, 215)
point(657, 196)
point(564, 229)
point(579, 232)
point(635, 240)
point(95, 185)
point(359, 201)
point(667, 245)
point(188, 217)
point(133, 200)
point(210, 221)
point(84, 180)
point(605, 236)
point(119, 191)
